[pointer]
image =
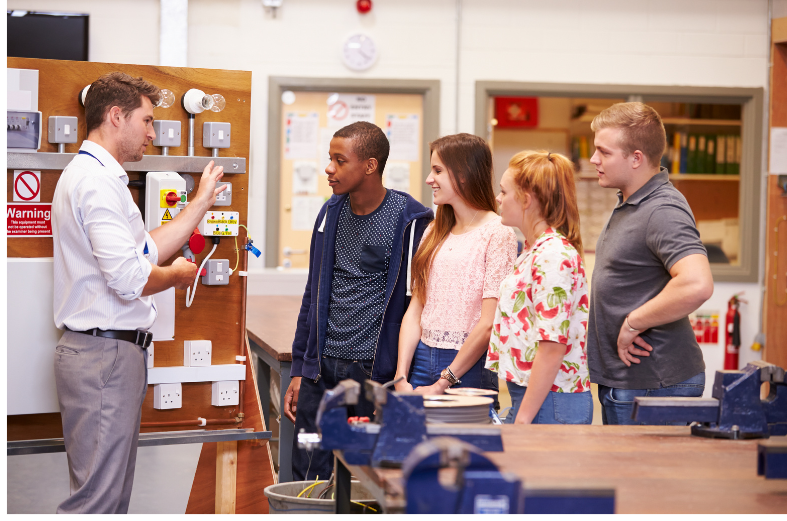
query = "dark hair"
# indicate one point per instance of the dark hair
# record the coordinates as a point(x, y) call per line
point(549, 178)
point(469, 163)
point(642, 129)
point(116, 89)
point(368, 141)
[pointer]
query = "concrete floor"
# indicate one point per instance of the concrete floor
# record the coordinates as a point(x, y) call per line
point(162, 482)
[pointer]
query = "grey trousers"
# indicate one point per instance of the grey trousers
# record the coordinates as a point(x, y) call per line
point(101, 384)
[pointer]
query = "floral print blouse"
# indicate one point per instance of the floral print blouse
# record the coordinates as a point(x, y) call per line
point(544, 299)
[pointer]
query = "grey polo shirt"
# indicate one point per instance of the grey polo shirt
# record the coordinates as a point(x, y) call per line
point(644, 238)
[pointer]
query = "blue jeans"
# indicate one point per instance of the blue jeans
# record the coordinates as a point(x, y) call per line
point(565, 408)
point(308, 465)
point(429, 362)
point(617, 405)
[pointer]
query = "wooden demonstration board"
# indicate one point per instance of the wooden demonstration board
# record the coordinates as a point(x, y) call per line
point(775, 284)
point(218, 312)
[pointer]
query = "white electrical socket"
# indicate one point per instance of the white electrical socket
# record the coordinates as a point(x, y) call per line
point(225, 393)
point(167, 396)
point(150, 355)
point(196, 353)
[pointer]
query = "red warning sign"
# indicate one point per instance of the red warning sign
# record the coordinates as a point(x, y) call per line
point(29, 220)
point(27, 185)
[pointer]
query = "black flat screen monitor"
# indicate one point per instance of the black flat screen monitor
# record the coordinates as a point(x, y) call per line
point(53, 36)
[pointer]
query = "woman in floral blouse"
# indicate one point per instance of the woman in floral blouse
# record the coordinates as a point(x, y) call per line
point(456, 274)
point(538, 338)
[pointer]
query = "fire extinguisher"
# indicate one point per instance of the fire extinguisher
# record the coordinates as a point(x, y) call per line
point(732, 338)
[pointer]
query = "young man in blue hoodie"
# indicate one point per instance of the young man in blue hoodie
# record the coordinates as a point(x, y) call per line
point(358, 286)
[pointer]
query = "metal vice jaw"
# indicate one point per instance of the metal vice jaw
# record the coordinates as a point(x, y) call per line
point(478, 486)
point(735, 411)
point(400, 424)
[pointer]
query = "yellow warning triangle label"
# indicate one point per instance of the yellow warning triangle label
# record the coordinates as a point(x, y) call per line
point(167, 216)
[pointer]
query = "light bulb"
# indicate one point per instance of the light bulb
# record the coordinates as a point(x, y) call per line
point(218, 103)
point(166, 100)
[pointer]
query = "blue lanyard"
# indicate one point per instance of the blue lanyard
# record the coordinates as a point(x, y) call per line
point(91, 155)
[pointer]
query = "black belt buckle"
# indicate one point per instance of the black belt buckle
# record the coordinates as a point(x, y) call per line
point(144, 338)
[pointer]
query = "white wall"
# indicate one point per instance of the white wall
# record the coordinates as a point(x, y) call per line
point(664, 42)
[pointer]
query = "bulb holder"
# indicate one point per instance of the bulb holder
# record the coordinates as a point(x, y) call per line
point(83, 95)
point(195, 101)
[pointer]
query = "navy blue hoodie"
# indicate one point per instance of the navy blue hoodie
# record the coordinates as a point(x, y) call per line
point(309, 340)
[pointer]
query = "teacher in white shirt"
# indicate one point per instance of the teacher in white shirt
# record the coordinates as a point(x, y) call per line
point(106, 269)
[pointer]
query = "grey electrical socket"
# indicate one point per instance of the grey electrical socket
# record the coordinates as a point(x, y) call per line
point(215, 135)
point(225, 197)
point(218, 272)
point(167, 133)
point(62, 129)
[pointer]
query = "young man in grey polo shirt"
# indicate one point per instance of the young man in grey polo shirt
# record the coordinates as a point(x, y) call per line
point(651, 271)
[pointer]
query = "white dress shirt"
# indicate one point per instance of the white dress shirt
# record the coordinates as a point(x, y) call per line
point(102, 252)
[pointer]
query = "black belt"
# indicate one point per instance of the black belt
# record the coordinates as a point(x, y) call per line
point(137, 337)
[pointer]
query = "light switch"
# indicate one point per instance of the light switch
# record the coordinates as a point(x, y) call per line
point(171, 133)
point(67, 130)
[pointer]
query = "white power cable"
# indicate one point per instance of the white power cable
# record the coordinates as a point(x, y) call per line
point(190, 295)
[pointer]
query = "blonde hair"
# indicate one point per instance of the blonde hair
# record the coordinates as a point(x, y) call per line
point(642, 129)
point(469, 163)
point(550, 179)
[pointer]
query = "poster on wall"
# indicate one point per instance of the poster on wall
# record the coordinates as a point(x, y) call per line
point(778, 163)
point(304, 212)
point(516, 112)
point(402, 133)
point(397, 176)
point(301, 135)
point(344, 109)
point(304, 177)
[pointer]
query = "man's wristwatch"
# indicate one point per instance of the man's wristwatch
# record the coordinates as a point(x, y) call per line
point(447, 374)
point(631, 329)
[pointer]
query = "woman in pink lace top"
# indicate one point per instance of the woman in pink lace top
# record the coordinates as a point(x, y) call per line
point(464, 255)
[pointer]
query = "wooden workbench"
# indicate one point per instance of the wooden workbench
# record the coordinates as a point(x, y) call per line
point(270, 324)
point(654, 470)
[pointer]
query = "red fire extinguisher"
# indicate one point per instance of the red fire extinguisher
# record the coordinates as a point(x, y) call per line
point(732, 338)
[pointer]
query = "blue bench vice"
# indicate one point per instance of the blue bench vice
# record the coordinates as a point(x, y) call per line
point(735, 411)
point(400, 425)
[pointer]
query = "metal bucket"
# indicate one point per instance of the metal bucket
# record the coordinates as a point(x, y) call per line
point(282, 499)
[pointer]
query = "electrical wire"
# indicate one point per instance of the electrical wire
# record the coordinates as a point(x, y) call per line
point(190, 297)
point(237, 251)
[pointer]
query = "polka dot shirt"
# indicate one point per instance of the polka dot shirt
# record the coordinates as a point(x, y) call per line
point(362, 256)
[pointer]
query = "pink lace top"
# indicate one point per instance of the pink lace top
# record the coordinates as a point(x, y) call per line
point(467, 269)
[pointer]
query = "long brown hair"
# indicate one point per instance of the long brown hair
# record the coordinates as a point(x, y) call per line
point(469, 163)
point(550, 178)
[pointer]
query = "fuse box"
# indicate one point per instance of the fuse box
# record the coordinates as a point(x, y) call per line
point(217, 272)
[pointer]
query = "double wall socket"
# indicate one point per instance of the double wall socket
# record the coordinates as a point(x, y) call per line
point(225, 393)
point(167, 396)
point(218, 272)
point(167, 133)
point(196, 353)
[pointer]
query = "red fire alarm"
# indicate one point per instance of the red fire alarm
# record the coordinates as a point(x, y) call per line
point(363, 6)
point(515, 112)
